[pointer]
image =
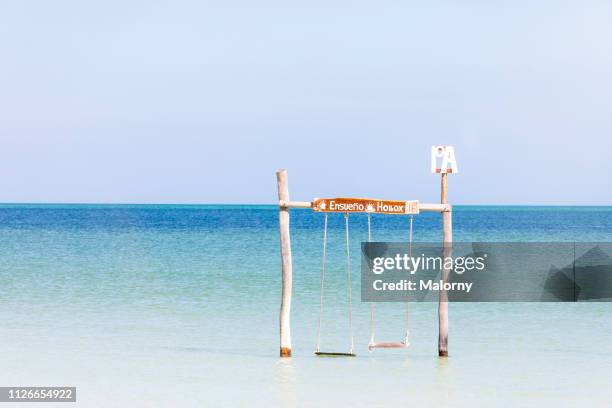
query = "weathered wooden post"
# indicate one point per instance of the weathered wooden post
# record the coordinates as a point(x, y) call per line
point(285, 246)
point(447, 226)
point(448, 165)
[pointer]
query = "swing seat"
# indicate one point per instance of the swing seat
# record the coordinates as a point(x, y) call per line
point(329, 354)
point(388, 345)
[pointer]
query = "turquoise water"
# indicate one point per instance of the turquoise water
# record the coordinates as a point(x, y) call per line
point(178, 306)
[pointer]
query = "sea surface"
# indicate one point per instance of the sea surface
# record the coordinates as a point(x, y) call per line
point(177, 306)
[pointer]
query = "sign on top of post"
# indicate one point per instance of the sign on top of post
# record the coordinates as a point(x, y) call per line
point(443, 160)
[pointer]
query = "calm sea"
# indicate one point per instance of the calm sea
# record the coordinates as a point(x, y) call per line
point(176, 306)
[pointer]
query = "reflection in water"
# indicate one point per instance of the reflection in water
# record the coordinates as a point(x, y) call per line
point(285, 381)
point(445, 382)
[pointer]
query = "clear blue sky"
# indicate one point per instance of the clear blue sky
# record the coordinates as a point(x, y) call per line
point(196, 102)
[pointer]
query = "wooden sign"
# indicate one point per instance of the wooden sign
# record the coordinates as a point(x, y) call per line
point(446, 156)
point(365, 205)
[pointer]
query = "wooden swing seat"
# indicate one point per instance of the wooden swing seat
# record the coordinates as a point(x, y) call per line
point(329, 354)
point(389, 345)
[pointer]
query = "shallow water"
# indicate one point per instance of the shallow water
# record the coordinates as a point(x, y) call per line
point(178, 306)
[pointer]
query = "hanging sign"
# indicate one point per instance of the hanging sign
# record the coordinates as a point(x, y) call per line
point(365, 205)
point(443, 160)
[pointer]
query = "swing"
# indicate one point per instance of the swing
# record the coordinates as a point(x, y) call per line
point(390, 345)
point(318, 351)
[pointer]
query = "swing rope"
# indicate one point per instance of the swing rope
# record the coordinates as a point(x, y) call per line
point(407, 324)
point(371, 304)
point(348, 269)
point(350, 300)
point(322, 282)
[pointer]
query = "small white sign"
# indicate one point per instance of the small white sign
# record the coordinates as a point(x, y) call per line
point(443, 160)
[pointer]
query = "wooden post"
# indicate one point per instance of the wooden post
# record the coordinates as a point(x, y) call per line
point(285, 246)
point(447, 225)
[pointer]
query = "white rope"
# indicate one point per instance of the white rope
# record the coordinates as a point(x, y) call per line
point(322, 282)
point(348, 268)
point(372, 314)
point(407, 333)
point(371, 304)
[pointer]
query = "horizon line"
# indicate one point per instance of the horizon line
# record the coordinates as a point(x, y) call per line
point(5, 203)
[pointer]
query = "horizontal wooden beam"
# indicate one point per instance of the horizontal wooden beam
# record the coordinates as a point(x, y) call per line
point(435, 207)
point(294, 204)
point(422, 206)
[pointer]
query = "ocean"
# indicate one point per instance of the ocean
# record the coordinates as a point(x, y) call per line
point(177, 306)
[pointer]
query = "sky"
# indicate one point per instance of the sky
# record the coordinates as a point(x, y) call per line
point(201, 101)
